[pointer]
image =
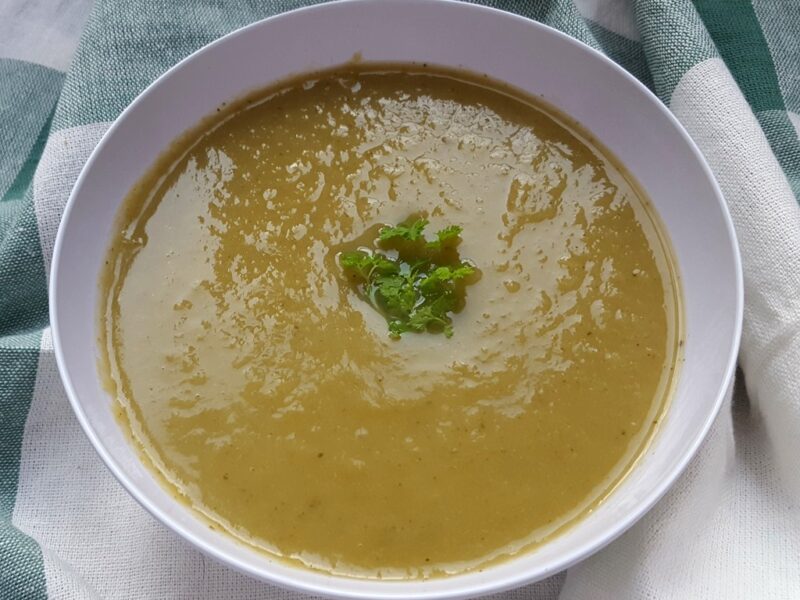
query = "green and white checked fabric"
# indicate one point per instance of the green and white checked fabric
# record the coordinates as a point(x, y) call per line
point(730, 72)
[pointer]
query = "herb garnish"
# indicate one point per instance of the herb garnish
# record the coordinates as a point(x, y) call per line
point(414, 282)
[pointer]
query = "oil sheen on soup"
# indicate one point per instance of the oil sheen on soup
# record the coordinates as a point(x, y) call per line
point(268, 393)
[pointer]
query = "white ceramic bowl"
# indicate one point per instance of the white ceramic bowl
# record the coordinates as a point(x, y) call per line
point(610, 103)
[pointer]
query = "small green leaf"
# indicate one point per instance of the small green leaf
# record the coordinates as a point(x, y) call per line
point(441, 276)
point(445, 237)
point(397, 293)
point(412, 232)
point(365, 264)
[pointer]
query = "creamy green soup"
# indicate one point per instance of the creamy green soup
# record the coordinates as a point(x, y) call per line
point(268, 393)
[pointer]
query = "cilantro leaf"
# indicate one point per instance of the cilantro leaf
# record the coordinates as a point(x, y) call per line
point(446, 237)
point(444, 275)
point(397, 294)
point(411, 233)
point(433, 314)
point(365, 264)
point(418, 289)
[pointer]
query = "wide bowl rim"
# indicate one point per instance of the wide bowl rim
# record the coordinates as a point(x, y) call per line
point(338, 588)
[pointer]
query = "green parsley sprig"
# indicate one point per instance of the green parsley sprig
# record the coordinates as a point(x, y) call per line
point(419, 284)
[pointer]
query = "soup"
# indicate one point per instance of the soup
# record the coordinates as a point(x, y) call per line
point(271, 396)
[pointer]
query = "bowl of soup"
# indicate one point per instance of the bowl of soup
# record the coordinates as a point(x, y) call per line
point(396, 299)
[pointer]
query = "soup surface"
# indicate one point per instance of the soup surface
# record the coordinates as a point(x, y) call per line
point(270, 395)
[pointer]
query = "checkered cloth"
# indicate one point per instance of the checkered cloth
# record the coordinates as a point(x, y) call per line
point(728, 69)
